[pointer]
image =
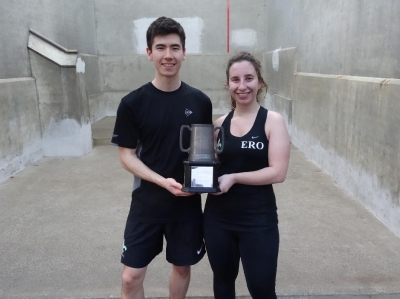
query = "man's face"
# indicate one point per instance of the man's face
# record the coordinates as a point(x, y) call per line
point(167, 55)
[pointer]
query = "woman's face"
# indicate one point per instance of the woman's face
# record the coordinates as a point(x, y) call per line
point(243, 83)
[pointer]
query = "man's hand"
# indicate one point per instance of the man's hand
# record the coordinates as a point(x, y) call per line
point(133, 164)
point(175, 188)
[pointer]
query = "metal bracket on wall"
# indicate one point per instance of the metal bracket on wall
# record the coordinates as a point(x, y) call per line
point(51, 50)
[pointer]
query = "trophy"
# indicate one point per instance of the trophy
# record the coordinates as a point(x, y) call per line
point(201, 170)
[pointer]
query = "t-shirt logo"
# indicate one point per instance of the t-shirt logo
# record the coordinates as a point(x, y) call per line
point(188, 112)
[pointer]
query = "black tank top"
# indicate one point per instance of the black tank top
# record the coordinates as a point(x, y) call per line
point(243, 206)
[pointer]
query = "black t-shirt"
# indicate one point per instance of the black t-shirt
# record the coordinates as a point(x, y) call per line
point(244, 206)
point(149, 120)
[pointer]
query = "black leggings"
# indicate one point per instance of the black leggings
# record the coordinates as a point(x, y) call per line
point(258, 251)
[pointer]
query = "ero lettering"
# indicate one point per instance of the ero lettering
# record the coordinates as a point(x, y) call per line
point(253, 145)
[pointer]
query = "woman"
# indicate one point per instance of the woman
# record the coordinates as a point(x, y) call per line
point(241, 221)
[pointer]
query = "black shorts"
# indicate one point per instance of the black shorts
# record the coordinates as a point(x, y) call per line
point(144, 241)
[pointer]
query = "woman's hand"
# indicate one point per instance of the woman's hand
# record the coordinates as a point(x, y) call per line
point(225, 183)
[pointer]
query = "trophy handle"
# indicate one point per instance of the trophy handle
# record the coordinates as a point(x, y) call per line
point(180, 138)
point(218, 151)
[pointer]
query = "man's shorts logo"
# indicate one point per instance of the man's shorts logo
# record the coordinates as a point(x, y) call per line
point(124, 248)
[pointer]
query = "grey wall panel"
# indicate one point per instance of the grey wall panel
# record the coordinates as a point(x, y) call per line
point(282, 24)
point(358, 38)
point(14, 21)
point(205, 72)
point(281, 105)
point(125, 73)
point(63, 108)
point(279, 68)
point(91, 73)
point(348, 126)
point(79, 25)
point(116, 30)
point(68, 23)
point(247, 26)
point(20, 132)
point(116, 27)
point(345, 124)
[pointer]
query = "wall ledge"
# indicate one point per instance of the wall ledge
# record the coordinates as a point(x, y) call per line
point(12, 80)
point(51, 50)
point(383, 81)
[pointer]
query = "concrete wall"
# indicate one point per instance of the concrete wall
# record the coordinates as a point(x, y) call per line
point(109, 39)
point(357, 38)
point(91, 74)
point(68, 23)
point(341, 109)
point(26, 110)
point(125, 73)
point(347, 125)
point(330, 68)
point(63, 107)
point(20, 134)
point(120, 31)
point(111, 35)
point(279, 69)
point(120, 25)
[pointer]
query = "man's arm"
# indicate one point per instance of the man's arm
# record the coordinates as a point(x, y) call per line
point(133, 164)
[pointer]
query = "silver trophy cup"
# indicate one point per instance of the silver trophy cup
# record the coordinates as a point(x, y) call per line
point(201, 169)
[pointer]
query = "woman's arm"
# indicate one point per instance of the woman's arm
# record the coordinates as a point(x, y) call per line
point(278, 158)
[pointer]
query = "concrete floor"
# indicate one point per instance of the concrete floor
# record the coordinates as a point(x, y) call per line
point(62, 221)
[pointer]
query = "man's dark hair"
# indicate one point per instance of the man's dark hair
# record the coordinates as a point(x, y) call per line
point(164, 26)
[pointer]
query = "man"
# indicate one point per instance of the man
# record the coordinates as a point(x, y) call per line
point(147, 134)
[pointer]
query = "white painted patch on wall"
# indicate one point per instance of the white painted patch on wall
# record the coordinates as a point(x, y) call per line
point(194, 32)
point(193, 29)
point(67, 138)
point(244, 37)
point(139, 34)
point(80, 66)
point(275, 59)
